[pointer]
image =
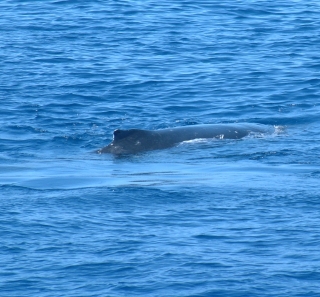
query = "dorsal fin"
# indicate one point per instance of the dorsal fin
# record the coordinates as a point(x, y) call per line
point(120, 134)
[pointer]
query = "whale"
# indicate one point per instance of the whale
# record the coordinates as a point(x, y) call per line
point(134, 141)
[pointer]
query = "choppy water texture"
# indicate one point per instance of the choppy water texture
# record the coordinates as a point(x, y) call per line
point(205, 218)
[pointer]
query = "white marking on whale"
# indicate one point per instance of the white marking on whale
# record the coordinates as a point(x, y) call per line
point(135, 140)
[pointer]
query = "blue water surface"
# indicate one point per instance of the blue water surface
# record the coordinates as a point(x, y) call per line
point(204, 218)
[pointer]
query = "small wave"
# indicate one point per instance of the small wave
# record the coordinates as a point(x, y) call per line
point(279, 129)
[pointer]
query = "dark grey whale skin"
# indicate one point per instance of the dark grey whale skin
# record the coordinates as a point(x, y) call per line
point(135, 140)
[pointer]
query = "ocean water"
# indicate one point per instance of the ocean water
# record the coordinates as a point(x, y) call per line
point(204, 218)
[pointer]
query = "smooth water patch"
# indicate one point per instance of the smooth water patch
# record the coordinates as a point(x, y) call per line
point(77, 174)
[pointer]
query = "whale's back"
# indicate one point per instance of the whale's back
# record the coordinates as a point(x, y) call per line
point(135, 140)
